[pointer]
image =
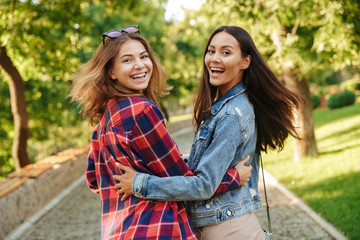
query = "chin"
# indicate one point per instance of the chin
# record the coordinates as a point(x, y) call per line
point(215, 83)
point(142, 86)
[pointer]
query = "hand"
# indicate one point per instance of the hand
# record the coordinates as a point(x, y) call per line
point(125, 181)
point(244, 171)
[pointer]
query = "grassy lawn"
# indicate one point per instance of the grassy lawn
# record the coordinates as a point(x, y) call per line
point(179, 118)
point(329, 183)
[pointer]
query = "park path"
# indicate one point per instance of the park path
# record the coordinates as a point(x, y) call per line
point(77, 215)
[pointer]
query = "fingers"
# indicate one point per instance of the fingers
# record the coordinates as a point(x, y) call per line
point(125, 196)
point(245, 160)
point(120, 191)
point(118, 185)
point(117, 177)
point(123, 192)
point(122, 167)
point(124, 187)
point(244, 181)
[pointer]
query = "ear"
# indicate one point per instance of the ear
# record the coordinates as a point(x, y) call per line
point(246, 62)
point(111, 74)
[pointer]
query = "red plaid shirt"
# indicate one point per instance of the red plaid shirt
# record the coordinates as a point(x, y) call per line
point(132, 132)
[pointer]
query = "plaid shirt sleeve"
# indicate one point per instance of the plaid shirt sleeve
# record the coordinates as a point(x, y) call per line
point(90, 170)
point(230, 181)
point(152, 142)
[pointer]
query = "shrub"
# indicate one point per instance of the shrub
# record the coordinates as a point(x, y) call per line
point(341, 99)
point(357, 86)
point(315, 101)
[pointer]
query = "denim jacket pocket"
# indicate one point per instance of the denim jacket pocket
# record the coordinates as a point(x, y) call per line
point(203, 134)
point(200, 144)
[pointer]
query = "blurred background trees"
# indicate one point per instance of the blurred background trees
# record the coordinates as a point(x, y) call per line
point(312, 45)
point(300, 40)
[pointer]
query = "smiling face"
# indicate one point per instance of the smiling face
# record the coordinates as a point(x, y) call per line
point(132, 66)
point(224, 62)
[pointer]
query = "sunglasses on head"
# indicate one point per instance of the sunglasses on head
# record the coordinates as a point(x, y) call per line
point(117, 33)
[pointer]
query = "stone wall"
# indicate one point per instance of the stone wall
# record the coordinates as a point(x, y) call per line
point(27, 191)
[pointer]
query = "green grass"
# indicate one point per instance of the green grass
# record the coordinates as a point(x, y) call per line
point(179, 118)
point(329, 183)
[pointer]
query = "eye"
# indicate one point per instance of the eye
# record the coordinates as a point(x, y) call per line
point(210, 51)
point(144, 56)
point(225, 52)
point(126, 60)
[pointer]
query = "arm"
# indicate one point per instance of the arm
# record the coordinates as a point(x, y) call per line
point(209, 171)
point(125, 184)
point(230, 181)
point(90, 175)
point(156, 148)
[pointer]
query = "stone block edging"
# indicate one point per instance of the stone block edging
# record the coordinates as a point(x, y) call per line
point(25, 192)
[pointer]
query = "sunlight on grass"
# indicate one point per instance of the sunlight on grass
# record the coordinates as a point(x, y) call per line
point(181, 117)
point(329, 183)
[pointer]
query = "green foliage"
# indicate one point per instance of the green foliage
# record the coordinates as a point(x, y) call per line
point(332, 191)
point(6, 128)
point(315, 101)
point(341, 99)
point(303, 44)
point(351, 85)
point(47, 42)
point(330, 79)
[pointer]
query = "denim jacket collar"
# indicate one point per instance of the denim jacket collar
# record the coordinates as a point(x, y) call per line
point(233, 92)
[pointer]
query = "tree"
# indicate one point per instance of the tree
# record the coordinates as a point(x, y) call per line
point(297, 37)
point(31, 48)
point(304, 46)
point(18, 104)
point(42, 45)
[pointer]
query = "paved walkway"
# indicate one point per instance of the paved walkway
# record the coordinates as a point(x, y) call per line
point(77, 216)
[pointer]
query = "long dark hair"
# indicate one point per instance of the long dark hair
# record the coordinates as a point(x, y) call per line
point(273, 102)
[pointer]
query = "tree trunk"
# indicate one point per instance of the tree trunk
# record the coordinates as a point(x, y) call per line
point(304, 115)
point(18, 109)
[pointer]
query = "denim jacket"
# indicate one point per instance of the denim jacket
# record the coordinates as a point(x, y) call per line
point(226, 137)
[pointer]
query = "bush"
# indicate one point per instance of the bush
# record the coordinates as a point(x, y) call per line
point(341, 99)
point(315, 101)
point(357, 86)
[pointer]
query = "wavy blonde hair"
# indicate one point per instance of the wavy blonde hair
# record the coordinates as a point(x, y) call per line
point(92, 86)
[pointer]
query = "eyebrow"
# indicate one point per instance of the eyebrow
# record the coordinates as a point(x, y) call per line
point(130, 55)
point(223, 46)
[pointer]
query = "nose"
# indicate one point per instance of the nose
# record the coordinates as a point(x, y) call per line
point(139, 63)
point(215, 58)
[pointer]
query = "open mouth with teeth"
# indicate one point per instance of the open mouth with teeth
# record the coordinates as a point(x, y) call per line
point(217, 70)
point(138, 76)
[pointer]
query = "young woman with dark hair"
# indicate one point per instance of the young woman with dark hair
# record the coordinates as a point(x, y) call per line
point(241, 109)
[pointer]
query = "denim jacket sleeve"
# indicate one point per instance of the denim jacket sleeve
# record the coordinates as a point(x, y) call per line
point(212, 167)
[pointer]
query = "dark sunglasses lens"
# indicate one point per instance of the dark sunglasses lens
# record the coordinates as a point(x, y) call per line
point(114, 34)
point(117, 33)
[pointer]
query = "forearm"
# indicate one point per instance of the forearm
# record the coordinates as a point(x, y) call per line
point(209, 173)
point(176, 188)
